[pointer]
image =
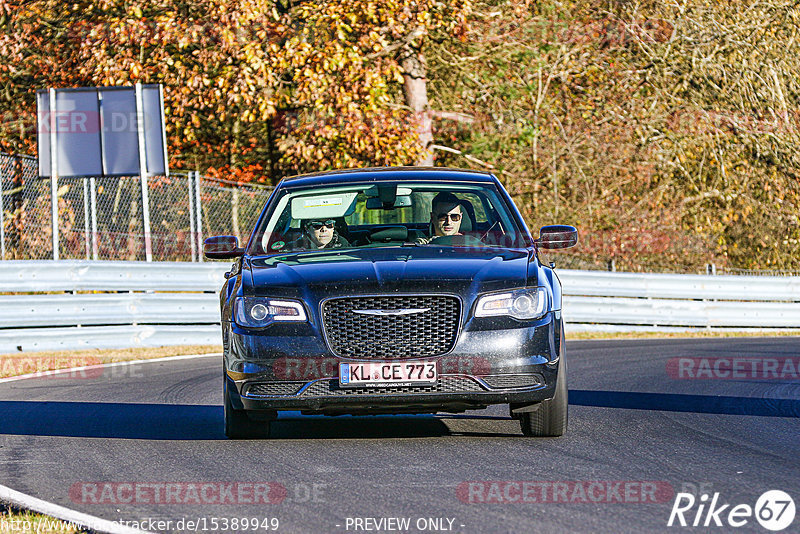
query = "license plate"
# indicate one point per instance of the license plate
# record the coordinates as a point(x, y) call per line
point(387, 373)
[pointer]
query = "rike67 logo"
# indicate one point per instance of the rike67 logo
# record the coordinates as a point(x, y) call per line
point(774, 510)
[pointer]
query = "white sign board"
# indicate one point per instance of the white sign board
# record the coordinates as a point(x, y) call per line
point(98, 130)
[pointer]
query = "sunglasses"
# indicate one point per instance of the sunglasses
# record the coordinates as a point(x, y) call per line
point(317, 225)
point(455, 217)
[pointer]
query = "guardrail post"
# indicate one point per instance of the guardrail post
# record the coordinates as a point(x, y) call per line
point(612, 266)
point(711, 268)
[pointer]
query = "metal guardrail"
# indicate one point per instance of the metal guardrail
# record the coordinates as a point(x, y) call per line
point(596, 300)
point(107, 337)
point(108, 309)
point(57, 305)
point(680, 286)
point(674, 312)
point(78, 275)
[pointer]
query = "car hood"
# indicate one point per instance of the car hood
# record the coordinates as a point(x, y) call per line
point(322, 274)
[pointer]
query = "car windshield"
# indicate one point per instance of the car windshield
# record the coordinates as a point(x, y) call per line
point(385, 214)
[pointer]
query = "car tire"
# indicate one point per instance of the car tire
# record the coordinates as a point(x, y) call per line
point(550, 418)
point(237, 424)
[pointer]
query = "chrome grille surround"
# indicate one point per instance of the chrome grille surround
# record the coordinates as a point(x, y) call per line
point(431, 330)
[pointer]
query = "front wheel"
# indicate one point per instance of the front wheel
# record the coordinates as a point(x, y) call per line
point(550, 418)
point(237, 424)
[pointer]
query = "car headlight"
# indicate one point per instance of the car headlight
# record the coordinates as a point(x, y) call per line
point(258, 312)
point(529, 303)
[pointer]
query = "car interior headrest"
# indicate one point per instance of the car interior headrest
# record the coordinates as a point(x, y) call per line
point(469, 216)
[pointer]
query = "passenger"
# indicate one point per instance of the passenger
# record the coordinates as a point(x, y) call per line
point(446, 215)
point(319, 234)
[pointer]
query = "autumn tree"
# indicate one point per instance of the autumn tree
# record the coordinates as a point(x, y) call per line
point(666, 131)
point(358, 81)
point(253, 87)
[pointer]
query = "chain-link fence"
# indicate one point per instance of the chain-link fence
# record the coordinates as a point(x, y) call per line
point(102, 218)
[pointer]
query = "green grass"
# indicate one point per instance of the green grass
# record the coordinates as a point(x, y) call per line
point(24, 522)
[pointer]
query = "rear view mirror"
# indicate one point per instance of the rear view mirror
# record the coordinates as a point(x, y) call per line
point(557, 236)
point(399, 202)
point(222, 247)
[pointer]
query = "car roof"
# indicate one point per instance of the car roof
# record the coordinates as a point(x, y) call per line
point(378, 174)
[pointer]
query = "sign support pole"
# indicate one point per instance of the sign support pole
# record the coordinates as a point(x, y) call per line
point(54, 171)
point(93, 206)
point(86, 217)
point(148, 246)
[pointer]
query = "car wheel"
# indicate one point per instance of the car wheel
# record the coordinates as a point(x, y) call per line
point(550, 418)
point(237, 424)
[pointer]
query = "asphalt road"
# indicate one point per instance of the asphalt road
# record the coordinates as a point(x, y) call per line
point(639, 434)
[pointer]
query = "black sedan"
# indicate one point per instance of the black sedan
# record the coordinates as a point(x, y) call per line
point(396, 290)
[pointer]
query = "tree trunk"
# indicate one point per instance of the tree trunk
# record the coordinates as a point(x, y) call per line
point(414, 68)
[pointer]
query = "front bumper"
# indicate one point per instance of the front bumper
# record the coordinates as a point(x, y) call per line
point(290, 368)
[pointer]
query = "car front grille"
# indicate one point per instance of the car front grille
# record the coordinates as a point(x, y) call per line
point(393, 327)
point(444, 384)
point(450, 384)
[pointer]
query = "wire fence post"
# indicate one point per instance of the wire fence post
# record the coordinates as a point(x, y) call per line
point(54, 171)
point(86, 236)
point(199, 208)
point(192, 236)
point(93, 207)
point(235, 213)
point(148, 245)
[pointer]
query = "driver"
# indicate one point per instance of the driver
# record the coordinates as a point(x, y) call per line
point(446, 215)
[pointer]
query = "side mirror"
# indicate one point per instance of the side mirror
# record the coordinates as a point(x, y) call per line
point(557, 236)
point(222, 247)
